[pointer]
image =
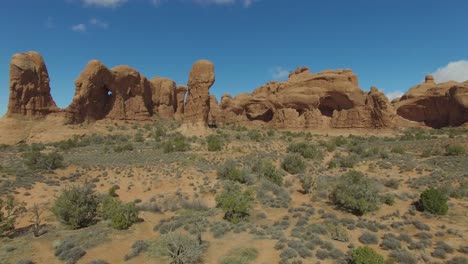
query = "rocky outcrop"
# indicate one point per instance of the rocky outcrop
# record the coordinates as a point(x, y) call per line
point(164, 96)
point(197, 105)
point(29, 86)
point(435, 105)
point(121, 93)
point(181, 91)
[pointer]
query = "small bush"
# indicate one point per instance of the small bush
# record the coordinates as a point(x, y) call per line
point(38, 161)
point(121, 215)
point(76, 207)
point(69, 252)
point(368, 238)
point(10, 209)
point(356, 192)
point(176, 143)
point(307, 183)
point(123, 147)
point(265, 169)
point(306, 150)
point(230, 171)
point(240, 256)
point(433, 201)
point(180, 248)
point(293, 163)
point(366, 255)
point(137, 248)
point(235, 202)
point(214, 143)
point(455, 150)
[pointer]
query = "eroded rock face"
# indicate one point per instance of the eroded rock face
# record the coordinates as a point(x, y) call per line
point(181, 90)
point(121, 93)
point(164, 96)
point(435, 105)
point(197, 105)
point(29, 86)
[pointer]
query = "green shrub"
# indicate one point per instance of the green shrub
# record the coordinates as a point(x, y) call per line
point(434, 201)
point(398, 150)
point(454, 150)
point(293, 163)
point(306, 150)
point(307, 182)
point(176, 143)
point(10, 209)
point(230, 171)
point(240, 256)
point(235, 203)
point(356, 192)
point(123, 147)
point(214, 142)
point(366, 255)
point(180, 248)
point(76, 207)
point(121, 215)
point(265, 169)
point(255, 135)
point(37, 160)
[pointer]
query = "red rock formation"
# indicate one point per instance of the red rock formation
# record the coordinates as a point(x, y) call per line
point(181, 90)
point(29, 86)
point(164, 96)
point(435, 105)
point(197, 105)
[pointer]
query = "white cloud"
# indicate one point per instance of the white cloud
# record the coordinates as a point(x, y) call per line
point(104, 3)
point(279, 73)
point(98, 23)
point(244, 3)
point(79, 28)
point(454, 71)
point(49, 23)
point(394, 95)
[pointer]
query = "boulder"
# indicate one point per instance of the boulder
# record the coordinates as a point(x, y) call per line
point(197, 105)
point(29, 86)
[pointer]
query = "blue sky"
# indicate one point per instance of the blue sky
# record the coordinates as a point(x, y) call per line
point(391, 44)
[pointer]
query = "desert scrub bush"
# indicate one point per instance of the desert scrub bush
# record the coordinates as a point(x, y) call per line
point(123, 147)
point(266, 170)
point(214, 143)
point(398, 150)
point(68, 252)
point(240, 256)
point(37, 160)
point(273, 195)
point(337, 232)
point(176, 143)
point(454, 150)
point(403, 256)
point(255, 135)
point(348, 161)
point(235, 202)
point(231, 171)
point(306, 150)
point(121, 215)
point(366, 255)
point(138, 247)
point(76, 206)
point(10, 209)
point(368, 238)
point(356, 192)
point(433, 201)
point(293, 163)
point(178, 247)
point(307, 183)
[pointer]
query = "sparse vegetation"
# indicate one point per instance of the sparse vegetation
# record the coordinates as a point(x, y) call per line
point(235, 202)
point(10, 209)
point(366, 255)
point(214, 142)
point(180, 248)
point(433, 201)
point(121, 215)
point(293, 163)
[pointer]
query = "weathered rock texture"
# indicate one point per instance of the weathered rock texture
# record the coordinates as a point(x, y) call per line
point(29, 86)
point(121, 93)
point(329, 99)
point(197, 105)
point(435, 105)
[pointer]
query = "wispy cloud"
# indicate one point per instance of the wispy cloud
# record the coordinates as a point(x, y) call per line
point(279, 72)
point(98, 23)
point(104, 3)
point(244, 3)
point(394, 95)
point(454, 71)
point(49, 23)
point(79, 28)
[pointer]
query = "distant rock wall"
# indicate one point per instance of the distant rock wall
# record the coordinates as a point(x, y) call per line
point(306, 100)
